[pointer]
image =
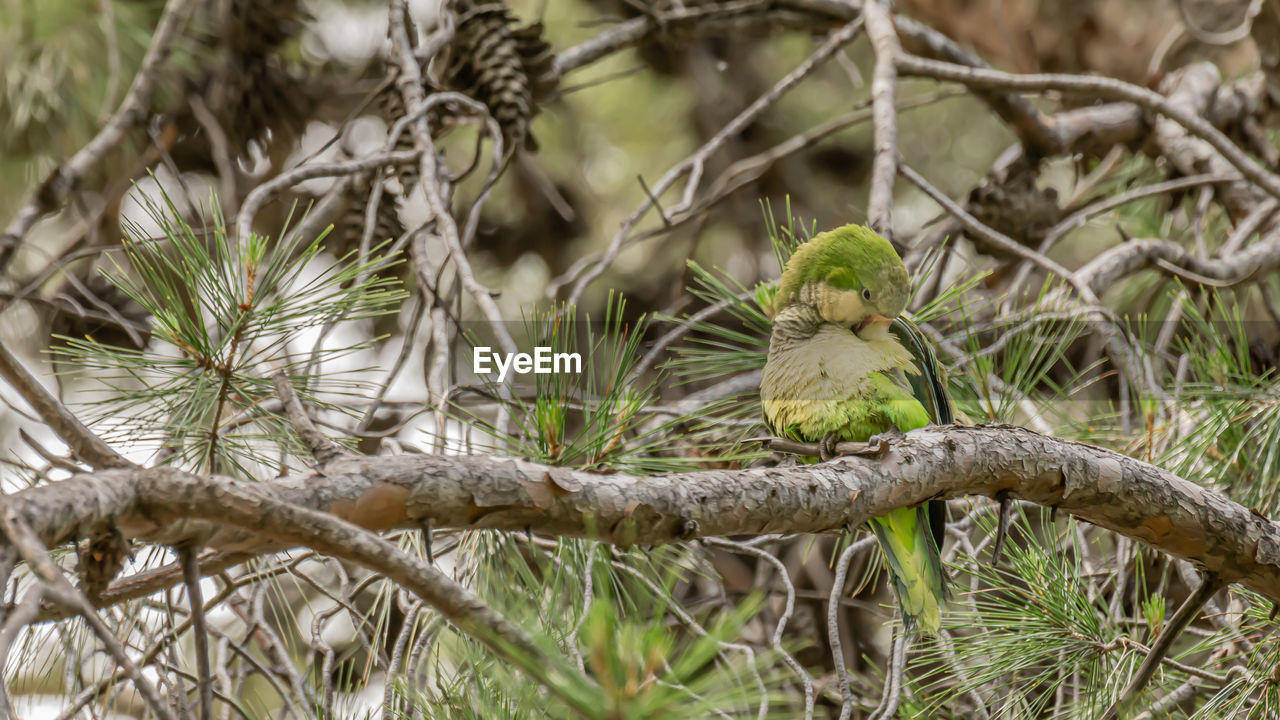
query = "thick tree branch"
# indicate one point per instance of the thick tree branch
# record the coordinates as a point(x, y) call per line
point(1100, 486)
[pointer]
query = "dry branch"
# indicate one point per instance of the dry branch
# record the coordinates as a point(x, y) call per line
point(1108, 88)
point(884, 40)
point(1040, 135)
point(246, 506)
point(412, 87)
point(694, 166)
point(86, 446)
point(1183, 617)
point(1257, 260)
point(59, 184)
point(321, 448)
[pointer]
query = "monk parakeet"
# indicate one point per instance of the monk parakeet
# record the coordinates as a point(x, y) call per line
point(844, 365)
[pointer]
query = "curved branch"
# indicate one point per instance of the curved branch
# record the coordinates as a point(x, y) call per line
point(1125, 259)
point(84, 445)
point(1102, 87)
point(1040, 135)
point(58, 185)
point(245, 505)
point(1099, 486)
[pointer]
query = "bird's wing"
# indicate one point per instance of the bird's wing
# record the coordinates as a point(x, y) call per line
point(930, 386)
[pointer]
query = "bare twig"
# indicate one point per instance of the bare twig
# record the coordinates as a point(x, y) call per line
point(833, 622)
point(1109, 88)
point(1080, 217)
point(410, 82)
point(22, 615)
point(32, 550)
point(189, 558)
point(243, 506)
point(148, 582)
point(1002, 531)
point(86, 446)
point(694, 165)
point(321, 447)
point(1040, 135)
point(673, 335)
point(254, 201)
point(1220, 37)
point(221, 152)
point(892, 695)
point(1185, 614)
point(787, 611)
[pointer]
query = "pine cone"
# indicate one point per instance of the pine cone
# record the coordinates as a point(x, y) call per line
point(387, 222)
point(500, 66)
point(251, 89)
point(391, 104)
point(101, 561)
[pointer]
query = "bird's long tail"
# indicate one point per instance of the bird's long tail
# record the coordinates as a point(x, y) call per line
point(915, 566)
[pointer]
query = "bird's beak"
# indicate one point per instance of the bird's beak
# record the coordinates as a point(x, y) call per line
point(872, 319)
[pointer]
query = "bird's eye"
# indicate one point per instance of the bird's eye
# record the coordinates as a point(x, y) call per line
point(866, 294)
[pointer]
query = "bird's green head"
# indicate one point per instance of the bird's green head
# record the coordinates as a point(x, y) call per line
point(851, 275)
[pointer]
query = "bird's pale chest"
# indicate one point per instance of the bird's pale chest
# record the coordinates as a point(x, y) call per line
point(810, 377)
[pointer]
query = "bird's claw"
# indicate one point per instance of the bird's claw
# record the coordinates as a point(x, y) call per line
point(427, 530)
point(876, 447)
point(1002, 528)
point(827, 447)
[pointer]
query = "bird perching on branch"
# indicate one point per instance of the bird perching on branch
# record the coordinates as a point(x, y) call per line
point(845, 365)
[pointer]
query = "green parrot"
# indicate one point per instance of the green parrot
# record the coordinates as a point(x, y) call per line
point(844, 365)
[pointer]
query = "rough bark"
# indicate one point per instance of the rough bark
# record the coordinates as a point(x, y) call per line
point(1102, 487)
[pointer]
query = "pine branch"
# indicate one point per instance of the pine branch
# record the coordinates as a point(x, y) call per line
point(1128, 496)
